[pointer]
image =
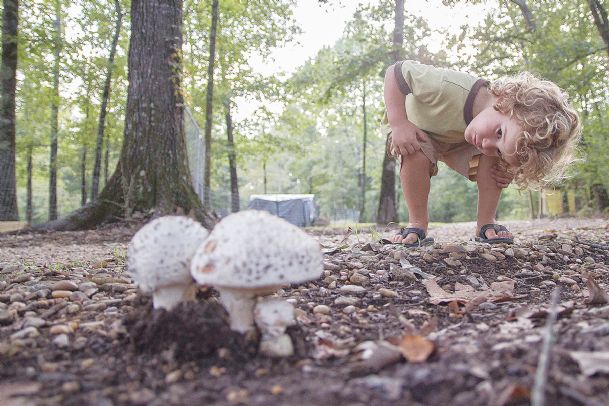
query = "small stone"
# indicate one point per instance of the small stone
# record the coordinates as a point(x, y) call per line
point(401, 274)
point(34, 322)
point(427, 257)
point(355, 289)
point(21, 278)
point(359, 279)
point(509, 252)
point(70, 386)
point(322, 309)
point(346, 300)
point(331, 267)
point(548, 284)
point(6, 317)
point(332, 285)
point(60, 329)
point(488, 257)
point(64, 285)
point(487, 306)
point(72, 309)
point(62, 341)
point(472, 280)
point(173, 376)
point(24, 333)
point(569, 281)
point(58, 294)
point(16, 297)
point(387, 292)
point(453, 262)
point(350, 309)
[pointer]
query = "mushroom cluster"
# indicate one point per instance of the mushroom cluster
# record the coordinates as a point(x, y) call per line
point(158, 259)
point(248, 255)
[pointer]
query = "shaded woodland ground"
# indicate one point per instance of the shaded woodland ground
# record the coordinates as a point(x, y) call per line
point(75, 330)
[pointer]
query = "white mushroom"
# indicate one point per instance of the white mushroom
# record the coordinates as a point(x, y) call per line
point(253, 253)
point(272, 316)
point(158, 259)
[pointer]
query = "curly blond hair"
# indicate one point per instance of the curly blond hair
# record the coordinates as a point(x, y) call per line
point(550, 125)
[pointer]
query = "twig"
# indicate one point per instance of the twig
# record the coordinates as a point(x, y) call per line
point(539, 387)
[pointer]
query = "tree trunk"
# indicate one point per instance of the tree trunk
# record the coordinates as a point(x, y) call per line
point(387, 211)
point(29, 209)
point(83, 175)
point(526, 13)
point(264, 174)
point(106, 158)
point(599, 14)
point(152, 172)
point(104, 103)
point(8, 71)
point(209, 103)
point(362, 210)
point(232, 160)
point(55, 115)
point(601, 198)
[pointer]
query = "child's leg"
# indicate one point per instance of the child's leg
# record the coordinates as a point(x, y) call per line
point(488, 197)
point(415, 175)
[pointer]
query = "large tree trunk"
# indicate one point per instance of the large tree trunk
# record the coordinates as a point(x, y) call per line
point(104, 103)
point(387, 211)
point(55, 115)
point(362, 209)
point(83, 174)
point(106, 158)
point(209, 103)
point(8, 72)
point(599, 13)
point(232, 160)
point(152, 172)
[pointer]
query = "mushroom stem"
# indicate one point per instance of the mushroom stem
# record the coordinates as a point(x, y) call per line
point(240, 308)
point(169, 296)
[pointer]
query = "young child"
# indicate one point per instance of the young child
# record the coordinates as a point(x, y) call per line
point(517, 128)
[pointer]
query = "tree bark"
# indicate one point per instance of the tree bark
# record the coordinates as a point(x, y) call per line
point(83, 174)
point(106, 158)
point(55, 115)
point(8, 180)
point(209, 103)
point(152, 172)
point(104, 103)
point(232, 160)
point(599, 14)
point(29, 209)
point(362, 210)
point(387, 211)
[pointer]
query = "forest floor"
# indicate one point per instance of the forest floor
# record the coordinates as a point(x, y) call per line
point(459, 323)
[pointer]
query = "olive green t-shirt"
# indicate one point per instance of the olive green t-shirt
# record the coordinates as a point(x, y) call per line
point(438, 101)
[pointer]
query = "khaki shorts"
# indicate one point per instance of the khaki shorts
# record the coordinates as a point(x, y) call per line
point(462, 157)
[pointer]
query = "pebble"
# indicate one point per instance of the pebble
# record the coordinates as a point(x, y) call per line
point(57, 294)
point(60, 329)
point(453, 262)
point(62, 341)
point(349, 309)
point(509, 252)
point(472, 280)
point(71, 386)
point(21, 278)
point(6, 317)
point(359, 279)
point(548, 284)
point(26, 332)
point(488, 257)
point(34, 322)
point(64, 285)
point(569, 281)
point(388, 292)
point(487, 306)
point(322, 309)
point(355, 289)
point(346, 300)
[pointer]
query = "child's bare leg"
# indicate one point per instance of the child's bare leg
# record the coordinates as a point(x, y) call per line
point(488, 197)
point(415, 180)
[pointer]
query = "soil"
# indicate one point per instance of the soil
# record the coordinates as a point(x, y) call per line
point(373, 330)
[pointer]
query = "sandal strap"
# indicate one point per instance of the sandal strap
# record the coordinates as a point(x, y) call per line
point(486, 227)
point(412, 230)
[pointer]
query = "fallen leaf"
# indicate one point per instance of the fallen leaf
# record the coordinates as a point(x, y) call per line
point(499, 291)
point(460, 287)
point(429, 326)
point(513, 393)
point(454, 309)
point(591, 362)
point(597, 294)
point(416, 348)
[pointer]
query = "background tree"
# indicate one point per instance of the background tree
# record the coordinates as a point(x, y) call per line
point(8, 70)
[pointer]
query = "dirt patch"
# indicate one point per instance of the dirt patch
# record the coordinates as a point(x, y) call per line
point(75, 330)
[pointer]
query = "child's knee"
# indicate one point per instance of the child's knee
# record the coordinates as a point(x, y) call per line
point(419, 161)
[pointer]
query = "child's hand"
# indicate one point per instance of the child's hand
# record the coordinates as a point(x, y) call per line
point(405, 138)
point(501, 174)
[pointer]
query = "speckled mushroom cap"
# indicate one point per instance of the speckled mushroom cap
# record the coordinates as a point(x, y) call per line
point(160, 252)
point(255, 249)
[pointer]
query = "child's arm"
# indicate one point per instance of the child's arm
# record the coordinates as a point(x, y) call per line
point(405, 135)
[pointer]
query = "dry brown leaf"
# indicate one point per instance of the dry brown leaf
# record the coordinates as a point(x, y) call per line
point(591, 362)
point(416, 348)
point(454, 309)
point(460, 287)
point(499, 291)
point(597, 294)
point(429, 326)
point(513, 393)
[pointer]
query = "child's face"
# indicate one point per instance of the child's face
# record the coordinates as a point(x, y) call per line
point(494, 134)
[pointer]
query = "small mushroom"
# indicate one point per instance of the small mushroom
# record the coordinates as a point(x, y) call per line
point(252, 253)
point(158, 259)
point(272, 316)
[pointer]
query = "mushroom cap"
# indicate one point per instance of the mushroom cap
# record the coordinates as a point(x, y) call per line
point(159, 253)
point(253, 249)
